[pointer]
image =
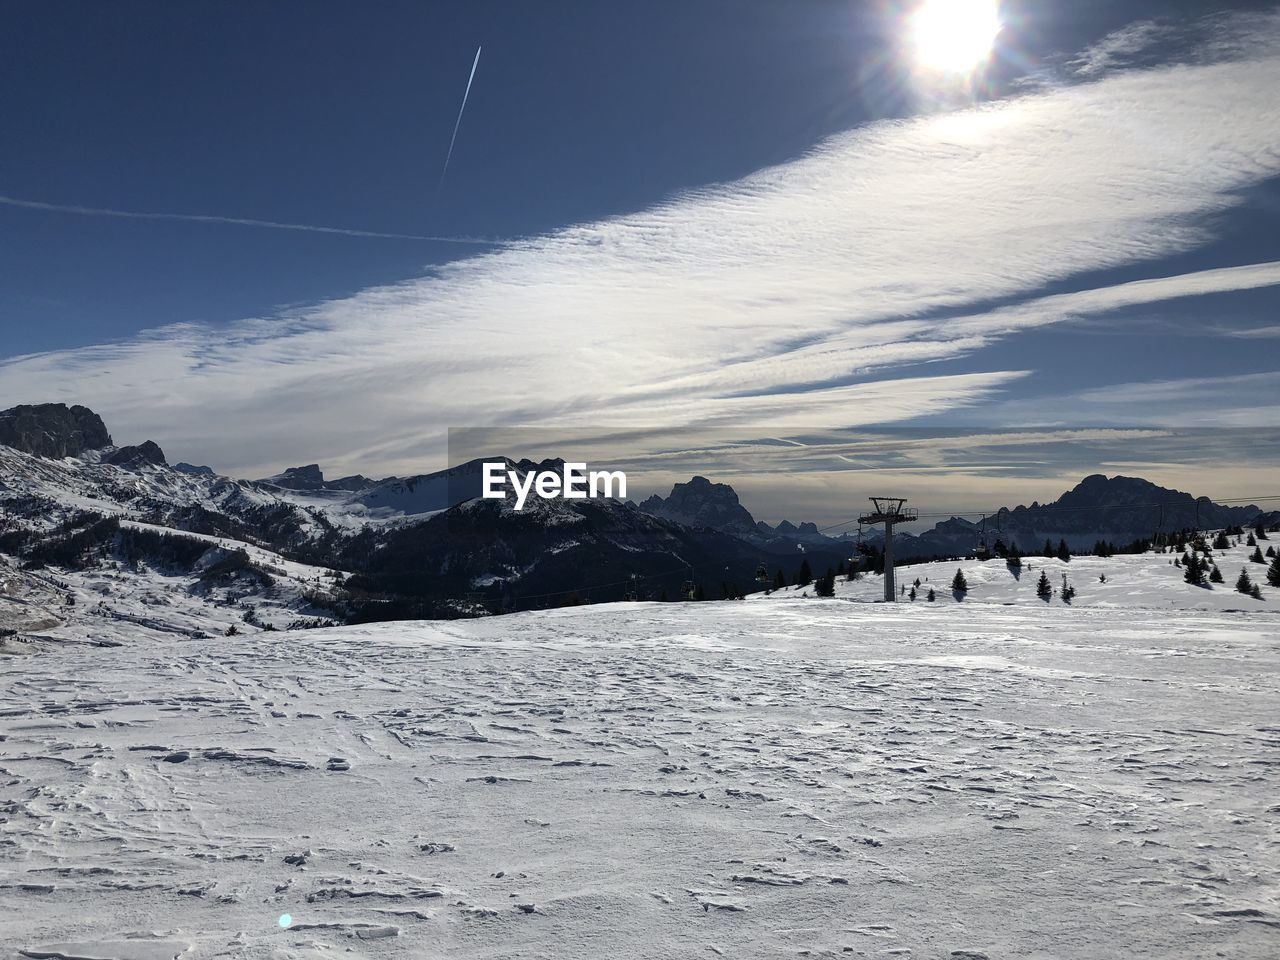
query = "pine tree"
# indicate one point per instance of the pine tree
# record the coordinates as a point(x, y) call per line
point(958, 583)
point(1243, 583)
point(1256, 556)
point(912, 594)
point(1048, 549)
point(825, 586)
point(1064, 553)
point(1068, 593)
point(1261, 533)
point(932, 596)
point(1271, 552)
point(840, 569)
point(699, 593)
point(1220, 542)
point(1044, 590)
point(779, 580)
point(805, 577)
point(1256, 592)
point(1273, 571)
point(1194, 570)
point(1249, 541)
point(1215, 575)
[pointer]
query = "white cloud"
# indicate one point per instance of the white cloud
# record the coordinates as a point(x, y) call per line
point(749, 302)
point(1119, 49)
point(1237, 401)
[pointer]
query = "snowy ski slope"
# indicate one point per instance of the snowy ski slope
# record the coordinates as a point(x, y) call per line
point(778, 777)
point(1148, 581)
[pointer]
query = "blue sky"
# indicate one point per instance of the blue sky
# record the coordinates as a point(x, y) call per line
point(710, 212)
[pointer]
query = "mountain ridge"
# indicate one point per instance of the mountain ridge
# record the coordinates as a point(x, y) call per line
point(414, 546)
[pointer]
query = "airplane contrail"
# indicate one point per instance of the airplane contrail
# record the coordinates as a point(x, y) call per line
point(461, 110)
point(239, 221)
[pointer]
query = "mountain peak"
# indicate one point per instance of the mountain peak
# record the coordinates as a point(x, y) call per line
point(702, 503)
point(311, 477)
point(146, 452)
point(52, 430)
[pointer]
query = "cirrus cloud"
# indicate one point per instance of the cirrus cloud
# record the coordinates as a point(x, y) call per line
point(757, 301)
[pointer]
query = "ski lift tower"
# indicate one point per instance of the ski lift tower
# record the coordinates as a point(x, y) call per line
point(888, 510)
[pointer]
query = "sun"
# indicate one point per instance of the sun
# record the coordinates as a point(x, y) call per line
point(955, 36)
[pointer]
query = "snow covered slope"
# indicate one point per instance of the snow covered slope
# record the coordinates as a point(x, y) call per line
point(762, 779)
point(1146, 581)
point(230, 585)
point(38, 492)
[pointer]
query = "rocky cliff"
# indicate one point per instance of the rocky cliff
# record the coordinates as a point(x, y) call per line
point(52, 430)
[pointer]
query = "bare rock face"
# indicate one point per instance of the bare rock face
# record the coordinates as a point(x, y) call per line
point(701, 503)
point(52, 430)
point(311, 477)
point(132, 457)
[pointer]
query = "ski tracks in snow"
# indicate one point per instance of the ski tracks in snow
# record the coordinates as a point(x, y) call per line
point(653, 780)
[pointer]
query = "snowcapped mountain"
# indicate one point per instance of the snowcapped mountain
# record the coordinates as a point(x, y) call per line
point(684, 776)
point(417, 546)
point(427, 546)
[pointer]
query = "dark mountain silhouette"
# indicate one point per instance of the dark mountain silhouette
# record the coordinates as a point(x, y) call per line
point(310, 477)
point(1116, 509)
point(52, 430)
point(701, 503)
point(146, 452)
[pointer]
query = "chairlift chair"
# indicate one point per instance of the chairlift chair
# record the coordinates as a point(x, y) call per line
point(859, 552)
point(982, 551)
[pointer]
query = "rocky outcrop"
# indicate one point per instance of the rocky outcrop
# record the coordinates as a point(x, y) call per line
point(310, 477)
point(131, 457)
point(52, 430)
point(701, 503)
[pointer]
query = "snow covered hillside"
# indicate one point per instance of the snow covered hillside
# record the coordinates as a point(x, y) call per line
point(1132, 582)
point(229, 586)
point(772, 778)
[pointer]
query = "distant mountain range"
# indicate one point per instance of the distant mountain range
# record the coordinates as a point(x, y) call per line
point(1118, 510)
point(701, 503)
point(429, 546)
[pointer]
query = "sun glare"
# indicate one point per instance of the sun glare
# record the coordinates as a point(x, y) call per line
point(955, 36)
